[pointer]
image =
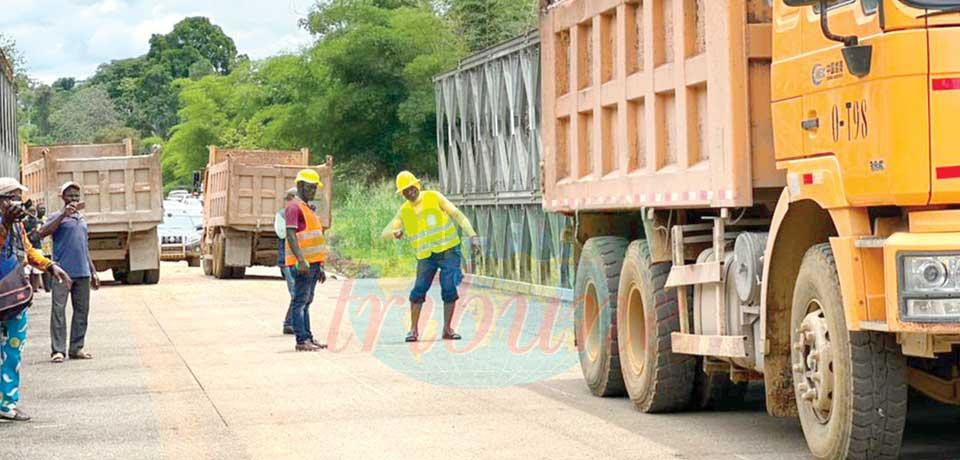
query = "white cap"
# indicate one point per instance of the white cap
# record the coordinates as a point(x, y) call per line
point(9, 184)
point(68, 184)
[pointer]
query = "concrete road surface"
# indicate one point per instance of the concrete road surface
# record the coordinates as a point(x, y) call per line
point(196, 368)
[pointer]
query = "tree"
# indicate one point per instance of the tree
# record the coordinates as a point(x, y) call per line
point(65, 84)
point(484, 23)
point(192, 40)
point(18, 64)
point(380, 57)
point(84, 116)
point(143, 88)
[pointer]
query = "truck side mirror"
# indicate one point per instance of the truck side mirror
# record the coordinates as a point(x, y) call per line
point(857, 57)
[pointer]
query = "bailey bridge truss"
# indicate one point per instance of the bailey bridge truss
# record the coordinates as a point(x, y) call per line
point(488, 138)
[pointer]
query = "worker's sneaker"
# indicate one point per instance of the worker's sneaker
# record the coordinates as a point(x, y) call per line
point(307, 346)
point(319, 345)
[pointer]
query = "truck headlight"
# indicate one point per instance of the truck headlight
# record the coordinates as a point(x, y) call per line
point(930, 287)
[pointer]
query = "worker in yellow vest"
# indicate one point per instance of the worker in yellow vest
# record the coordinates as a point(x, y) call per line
point(426, 220)
point(305, 253)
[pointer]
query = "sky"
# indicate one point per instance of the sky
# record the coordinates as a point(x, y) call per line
point(70, 38)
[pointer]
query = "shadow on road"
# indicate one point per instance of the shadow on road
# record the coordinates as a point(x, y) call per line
point(931, 430)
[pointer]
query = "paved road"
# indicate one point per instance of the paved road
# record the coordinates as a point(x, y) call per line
point(197, 369)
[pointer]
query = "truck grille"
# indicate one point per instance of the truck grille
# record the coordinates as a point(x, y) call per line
point(171, 240)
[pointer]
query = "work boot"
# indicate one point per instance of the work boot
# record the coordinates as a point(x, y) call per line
point(307, 346)
point(288, 329)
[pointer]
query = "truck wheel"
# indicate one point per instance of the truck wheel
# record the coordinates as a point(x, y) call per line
point(656, 378)
point(716, 391)
point(135, 277)
point(595, 314)
point(850, 387)
point(151, 276)
point(238, 273)
point(220, 269)
point(193, 262)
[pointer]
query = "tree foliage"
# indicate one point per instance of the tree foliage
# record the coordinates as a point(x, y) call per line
point(363, 93)
point(86, 116)
point(143, 88)
point(483, 23)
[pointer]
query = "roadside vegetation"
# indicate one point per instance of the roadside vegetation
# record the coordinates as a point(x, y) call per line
point(360, 213)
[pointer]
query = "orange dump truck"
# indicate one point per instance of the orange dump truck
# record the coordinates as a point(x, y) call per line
point(123, 195)
point(763, 191)
point(242, 192)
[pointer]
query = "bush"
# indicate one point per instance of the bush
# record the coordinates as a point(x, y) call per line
point(360, 213)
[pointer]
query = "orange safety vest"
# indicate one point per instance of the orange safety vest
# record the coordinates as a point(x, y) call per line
point(311, 240)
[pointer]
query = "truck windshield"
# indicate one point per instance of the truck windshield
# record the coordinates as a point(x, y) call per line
point(933, 4)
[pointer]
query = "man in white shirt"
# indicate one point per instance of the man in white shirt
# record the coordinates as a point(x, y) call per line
point(280, 227)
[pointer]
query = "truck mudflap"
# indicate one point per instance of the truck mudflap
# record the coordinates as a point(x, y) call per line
point(144, 250)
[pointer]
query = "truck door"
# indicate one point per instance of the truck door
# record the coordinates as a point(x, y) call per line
point(943, 28)
point(874, 124)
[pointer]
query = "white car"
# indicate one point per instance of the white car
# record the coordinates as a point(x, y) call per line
point(180, 235)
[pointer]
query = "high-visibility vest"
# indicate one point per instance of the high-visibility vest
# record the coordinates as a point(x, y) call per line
point(429, 229)
point(311, 240)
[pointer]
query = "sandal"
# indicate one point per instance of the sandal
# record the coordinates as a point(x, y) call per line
point(56, 358)
point(452, 336)
point(411, 337)
point(15, 414)
point(81, 355)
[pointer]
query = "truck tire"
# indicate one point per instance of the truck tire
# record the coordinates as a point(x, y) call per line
point(119, 275)
point(716, 391)
point(656, 378)
point(237, 273)
point(595, 314)
point(851, 387)
point(220, 269)
point(151, 276)
point(135, 277)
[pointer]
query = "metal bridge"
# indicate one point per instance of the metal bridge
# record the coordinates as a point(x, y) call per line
point(488, 137)
point(9, 139)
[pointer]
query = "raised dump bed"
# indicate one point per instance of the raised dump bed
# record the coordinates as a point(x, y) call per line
point(123, 195)
point(656, 103)
point(243, 191)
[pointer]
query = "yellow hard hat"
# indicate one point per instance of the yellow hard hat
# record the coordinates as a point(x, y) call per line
point(309, 176)
point(405, 179)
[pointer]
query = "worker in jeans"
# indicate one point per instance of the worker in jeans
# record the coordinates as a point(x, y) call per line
point(427, 220)
point(305, 252)
point(280, 228)
point(70, 251)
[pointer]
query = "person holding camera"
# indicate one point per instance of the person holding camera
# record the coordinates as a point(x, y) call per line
point(71, 251)
point(16, 293)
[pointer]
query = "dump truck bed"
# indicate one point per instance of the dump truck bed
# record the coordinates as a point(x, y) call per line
point(245, 188)
point(122, 192)
point(657, 103)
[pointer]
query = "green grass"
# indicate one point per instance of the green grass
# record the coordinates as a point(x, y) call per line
point(360, 212)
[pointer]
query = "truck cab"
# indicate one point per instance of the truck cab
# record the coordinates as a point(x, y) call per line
point(864, 98)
